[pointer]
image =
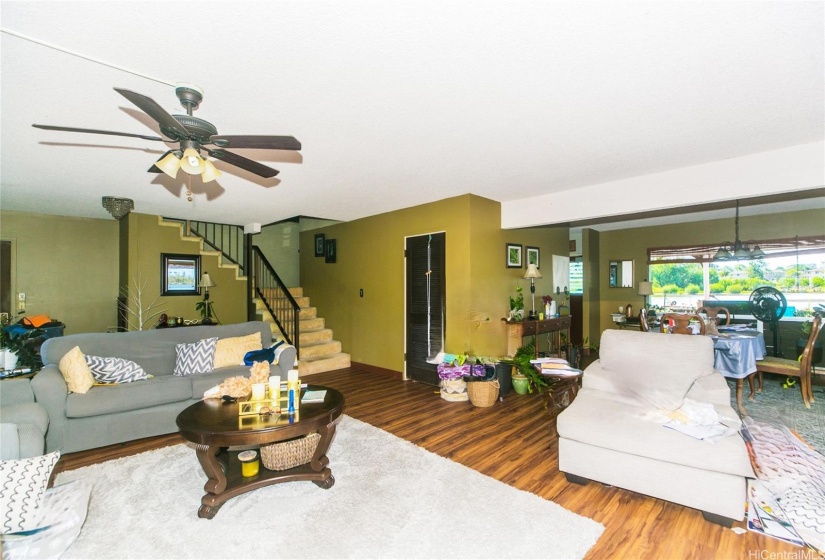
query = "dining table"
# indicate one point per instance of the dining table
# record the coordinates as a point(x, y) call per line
point(735, 352)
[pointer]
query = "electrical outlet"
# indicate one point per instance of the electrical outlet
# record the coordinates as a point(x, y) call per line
point(21, 306)
point(4, 318)
point(21, 296)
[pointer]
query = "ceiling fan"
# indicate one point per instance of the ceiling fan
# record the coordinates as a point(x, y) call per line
point(193, 135)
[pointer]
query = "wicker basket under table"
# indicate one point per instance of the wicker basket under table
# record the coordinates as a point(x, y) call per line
point(291, 453)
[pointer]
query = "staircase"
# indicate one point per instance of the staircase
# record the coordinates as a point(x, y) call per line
point(203, 250)
point(318, 350)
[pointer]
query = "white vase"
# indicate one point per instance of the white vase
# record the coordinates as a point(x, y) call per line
point(9, 360)
point(552, 312)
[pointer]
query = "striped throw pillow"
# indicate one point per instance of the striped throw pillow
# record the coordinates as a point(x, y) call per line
point(114, 370)
point(22, 485)
point(197, 357)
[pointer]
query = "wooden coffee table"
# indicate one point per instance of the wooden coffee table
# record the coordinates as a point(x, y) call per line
point(214, 426)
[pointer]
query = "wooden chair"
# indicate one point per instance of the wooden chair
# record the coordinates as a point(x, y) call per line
point(713, 313)
point(802, 368)
point(643, 326)
point(681, 322)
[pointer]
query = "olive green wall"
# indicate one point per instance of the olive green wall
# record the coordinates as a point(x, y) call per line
point(67, 267)
point(146, 240)
point(633, 244)
point(370, 255)
point(280, 243)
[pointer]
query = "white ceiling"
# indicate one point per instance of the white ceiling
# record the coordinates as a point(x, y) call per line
point(400, 103)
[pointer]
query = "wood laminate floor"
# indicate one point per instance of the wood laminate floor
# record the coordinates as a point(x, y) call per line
point(514, 441)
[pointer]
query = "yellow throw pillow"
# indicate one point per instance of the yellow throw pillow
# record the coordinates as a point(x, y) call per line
point(230, 351)
point(76, 371)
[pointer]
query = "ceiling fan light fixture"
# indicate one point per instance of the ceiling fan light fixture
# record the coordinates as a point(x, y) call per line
point(169, 164)
point(192, 162)
point(210, 172)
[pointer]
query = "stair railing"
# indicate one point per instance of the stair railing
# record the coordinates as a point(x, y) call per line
point(226, 238)
point(274, 294)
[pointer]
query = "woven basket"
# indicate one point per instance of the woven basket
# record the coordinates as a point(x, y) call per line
point(454, 390)
point(483, 393)
point(287, 454)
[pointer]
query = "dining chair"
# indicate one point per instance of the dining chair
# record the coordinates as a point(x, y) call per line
point(801, 368)
point(681, 323)
point(643, 326)
point(713, 313)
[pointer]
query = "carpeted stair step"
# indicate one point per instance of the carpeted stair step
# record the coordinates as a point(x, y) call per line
point(319, 364)
point(311, 324)
point(314, 349)
point(316, 335)
point(308, 313)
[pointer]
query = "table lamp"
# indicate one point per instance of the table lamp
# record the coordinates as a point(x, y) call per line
point(532, 273)
point(645, 289)
point(206, 306)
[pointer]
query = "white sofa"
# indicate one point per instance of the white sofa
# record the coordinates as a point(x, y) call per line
point(613, 432)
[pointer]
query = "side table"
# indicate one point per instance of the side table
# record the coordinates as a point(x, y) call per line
point(560, 393)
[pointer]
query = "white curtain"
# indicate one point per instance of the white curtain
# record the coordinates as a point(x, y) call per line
point(561, 273)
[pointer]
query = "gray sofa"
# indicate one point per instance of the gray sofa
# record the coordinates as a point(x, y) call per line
point(23, 422)
point(128, 411)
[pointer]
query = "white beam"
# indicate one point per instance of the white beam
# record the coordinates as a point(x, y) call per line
point(785, 170)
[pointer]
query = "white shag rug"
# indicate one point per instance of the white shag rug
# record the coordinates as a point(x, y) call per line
point(391, 499)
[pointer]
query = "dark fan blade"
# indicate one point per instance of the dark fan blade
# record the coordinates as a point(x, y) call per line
point(151, 108)
point(93, 131)
point(243, 163)
point(256, 142)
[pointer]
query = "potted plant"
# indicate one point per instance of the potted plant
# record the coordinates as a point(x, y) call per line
point(205, 307)
point(526, 377)
point(517, 306)
point(18, 351)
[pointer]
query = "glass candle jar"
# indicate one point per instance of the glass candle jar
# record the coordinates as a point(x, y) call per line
point(258, 391)
point(249, 463)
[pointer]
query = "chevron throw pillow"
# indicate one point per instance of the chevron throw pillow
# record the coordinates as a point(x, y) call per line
point(114, 370)
point(22, 485)
point(197, 357)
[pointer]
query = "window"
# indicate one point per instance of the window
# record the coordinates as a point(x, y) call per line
point(683, 275)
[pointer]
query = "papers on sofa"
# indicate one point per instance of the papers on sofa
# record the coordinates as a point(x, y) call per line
point(700, 420)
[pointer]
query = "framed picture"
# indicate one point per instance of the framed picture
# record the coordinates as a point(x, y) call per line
point(179, 274)
point(532, 256)
point(513, 255)
point(319, 245)
point(331, 251)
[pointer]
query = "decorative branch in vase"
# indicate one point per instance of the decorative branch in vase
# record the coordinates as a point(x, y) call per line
point(132, 306)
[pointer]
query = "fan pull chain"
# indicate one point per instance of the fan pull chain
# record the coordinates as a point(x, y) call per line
point(189, 188)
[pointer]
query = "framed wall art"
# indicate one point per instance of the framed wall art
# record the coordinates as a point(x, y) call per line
point(331, 251)
point(513, 255)
point(179, 274)
point(320, 247)
point(532, 256)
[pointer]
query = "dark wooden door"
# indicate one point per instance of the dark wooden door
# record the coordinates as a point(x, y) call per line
point(5, 278)
point(425, 305)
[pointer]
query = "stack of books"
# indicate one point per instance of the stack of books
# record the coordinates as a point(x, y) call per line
point(555, 366)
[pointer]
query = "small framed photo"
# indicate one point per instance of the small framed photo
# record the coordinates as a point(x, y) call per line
point(514, 255)
point(320, 247)
point(331, 251)
point(532, 256)
point(179, 274)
